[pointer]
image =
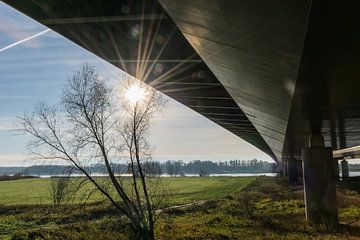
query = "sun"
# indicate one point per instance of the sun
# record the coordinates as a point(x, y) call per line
point(135, 93)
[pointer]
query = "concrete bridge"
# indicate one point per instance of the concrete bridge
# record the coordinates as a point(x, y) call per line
point(283, 75)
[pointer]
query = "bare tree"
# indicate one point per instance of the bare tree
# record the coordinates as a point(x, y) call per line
point(60, 188)
point(134, 132)
point(63, 189)
point(92, 132)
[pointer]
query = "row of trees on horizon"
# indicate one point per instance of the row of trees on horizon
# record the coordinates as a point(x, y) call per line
point(170, 167)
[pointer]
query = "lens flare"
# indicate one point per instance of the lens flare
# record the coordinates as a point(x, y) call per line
point(135, 93)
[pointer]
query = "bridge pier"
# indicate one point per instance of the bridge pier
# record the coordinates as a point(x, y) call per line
point(293, 173)
point(344, 169)
point(285, 168)
point(319, 183)
point(336, 162)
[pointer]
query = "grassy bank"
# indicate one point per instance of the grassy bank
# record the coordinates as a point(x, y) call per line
point(182, 189)
point(268, 208)
point(237, 208)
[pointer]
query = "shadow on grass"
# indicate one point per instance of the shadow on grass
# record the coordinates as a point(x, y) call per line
point(267, 208)
point(352, 184)
point(275, 205)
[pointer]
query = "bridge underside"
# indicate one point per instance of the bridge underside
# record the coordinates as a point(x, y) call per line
point(140, 38)
point(272, 72)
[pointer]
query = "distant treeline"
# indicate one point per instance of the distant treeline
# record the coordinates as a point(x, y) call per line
point(11, 170)
point(210, 167)
point(173, 168)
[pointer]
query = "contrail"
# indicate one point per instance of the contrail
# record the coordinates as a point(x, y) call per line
point(25, 40)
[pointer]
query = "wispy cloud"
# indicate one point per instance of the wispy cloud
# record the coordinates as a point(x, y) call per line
point(24, 40)
point(16, 26)
point(14, 160)
point(8, 124)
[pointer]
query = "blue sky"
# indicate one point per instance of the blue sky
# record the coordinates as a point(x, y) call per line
point(36, 70)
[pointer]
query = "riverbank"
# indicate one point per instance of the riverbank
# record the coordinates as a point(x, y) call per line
point(255, 208)
point(15, 177)
point(182, 189)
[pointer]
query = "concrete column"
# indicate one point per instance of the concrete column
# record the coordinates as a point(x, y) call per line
point(292, 171)
point(319, 183)
point(281, 168)
point(344, 169)
point(299, 170)
point(285, 168)
point(336, 162)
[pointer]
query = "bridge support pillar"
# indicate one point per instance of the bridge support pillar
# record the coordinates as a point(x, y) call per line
point(285, 168)
point(319, 183)
point(336, 162)
point(300, 170)
point(292, 171)
point(344, 169)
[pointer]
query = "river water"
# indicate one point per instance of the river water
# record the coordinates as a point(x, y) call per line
point(351, 174)
point(166, 175)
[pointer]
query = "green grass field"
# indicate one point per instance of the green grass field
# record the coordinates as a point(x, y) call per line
point(237, 208)
point(182, 189)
